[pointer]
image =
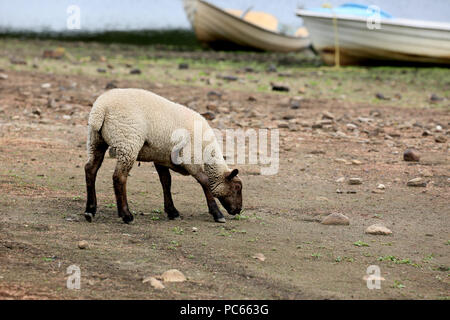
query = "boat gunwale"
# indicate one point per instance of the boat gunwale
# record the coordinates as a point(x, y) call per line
point(406, 23)
point(248, 23)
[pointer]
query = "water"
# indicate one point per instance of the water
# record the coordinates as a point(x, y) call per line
point(99, 15)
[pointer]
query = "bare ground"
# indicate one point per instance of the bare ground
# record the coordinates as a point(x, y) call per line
point(42, 194)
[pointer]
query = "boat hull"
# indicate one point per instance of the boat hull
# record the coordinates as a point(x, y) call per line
point(397, 40)
point(216, 27)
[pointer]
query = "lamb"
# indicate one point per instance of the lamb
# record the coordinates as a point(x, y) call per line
point(139, 125)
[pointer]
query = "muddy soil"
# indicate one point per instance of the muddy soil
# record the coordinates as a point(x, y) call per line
point(43, 117)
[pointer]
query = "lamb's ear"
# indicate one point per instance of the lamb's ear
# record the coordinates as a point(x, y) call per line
point(232, 174)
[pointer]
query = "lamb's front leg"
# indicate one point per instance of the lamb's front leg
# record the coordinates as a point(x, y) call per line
point(166, 182)
point(202, 178)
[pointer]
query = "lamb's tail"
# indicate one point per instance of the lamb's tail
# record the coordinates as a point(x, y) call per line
point(97, 116)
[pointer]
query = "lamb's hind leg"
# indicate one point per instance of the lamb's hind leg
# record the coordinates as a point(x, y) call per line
point(166, 182)
point(96, 149)
point(125, 161)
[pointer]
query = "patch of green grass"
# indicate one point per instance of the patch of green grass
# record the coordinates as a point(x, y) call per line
point(315, 255)
point(428, 258)
point(110, 205)
point(398, 285)
point(360, 243)
point(178, 230)
point(240, 217)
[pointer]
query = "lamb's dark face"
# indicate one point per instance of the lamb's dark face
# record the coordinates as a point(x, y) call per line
point(231, 198)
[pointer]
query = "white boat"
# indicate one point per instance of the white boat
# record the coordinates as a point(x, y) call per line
point(355, 32)
point(249, 29)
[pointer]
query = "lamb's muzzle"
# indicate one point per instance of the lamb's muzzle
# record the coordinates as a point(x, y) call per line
point(138, 125)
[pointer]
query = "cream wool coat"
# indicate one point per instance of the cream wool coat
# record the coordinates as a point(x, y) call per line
point(139, 125)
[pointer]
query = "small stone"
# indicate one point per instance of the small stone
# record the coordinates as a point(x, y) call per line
point(327, 115)
point(340, 180)
point(411, 155)
point(381, 96)
point(135, 71)
point(426, 133)
point(416, 182)
point(110, 85)
point(251, 98)
point(3, 76)
point(435, 98)
point(173, 275)
point(336, 219)
point(194, 229)
point(46, 85)
point(355, 181)
point(356, 162)
point(208, 115)
point(155, 283)
point(101, 70)
point(183, 66)
point(259, 256)
point(381, 186)
point(279, 87)
point(378, 229)
point(83, 244)
point(440, 139)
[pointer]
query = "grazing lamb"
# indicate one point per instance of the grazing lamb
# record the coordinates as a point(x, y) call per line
point(139, 125)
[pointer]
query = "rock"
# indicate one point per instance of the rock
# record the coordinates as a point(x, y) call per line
point(183, 66)
point(279, 87)
point(411, 155)
point(17, 61)
point(194, 229)
point(356, 162)
point(135, 71)
point(228, 78)
point(416, 182)
point(426, 133)
point(83, 244)
point(110, 85)
point(214, 94)
point(336, 219)
point(378, 229)
point(435, 98)
point(173, 275)
point(208, 115)
point(351, 126)
point(301, 90)
point(355, 181)
point(440, 139)
point(155, 283)
point(251, 98)
point(3, 76)
point(259, 256)
point(340, 180)
point(380, 96)
point(101, 70)
point(381, 186)
point(46, 85)
point(327, 115)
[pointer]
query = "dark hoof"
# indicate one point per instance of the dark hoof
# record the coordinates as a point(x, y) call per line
point(220, 220)
point(173, 214)
point(128, 218)
point(89, 216)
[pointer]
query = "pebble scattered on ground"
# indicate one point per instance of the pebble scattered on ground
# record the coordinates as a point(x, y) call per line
point(336, 219)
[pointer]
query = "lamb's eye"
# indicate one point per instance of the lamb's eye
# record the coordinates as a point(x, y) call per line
point(237, 187)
